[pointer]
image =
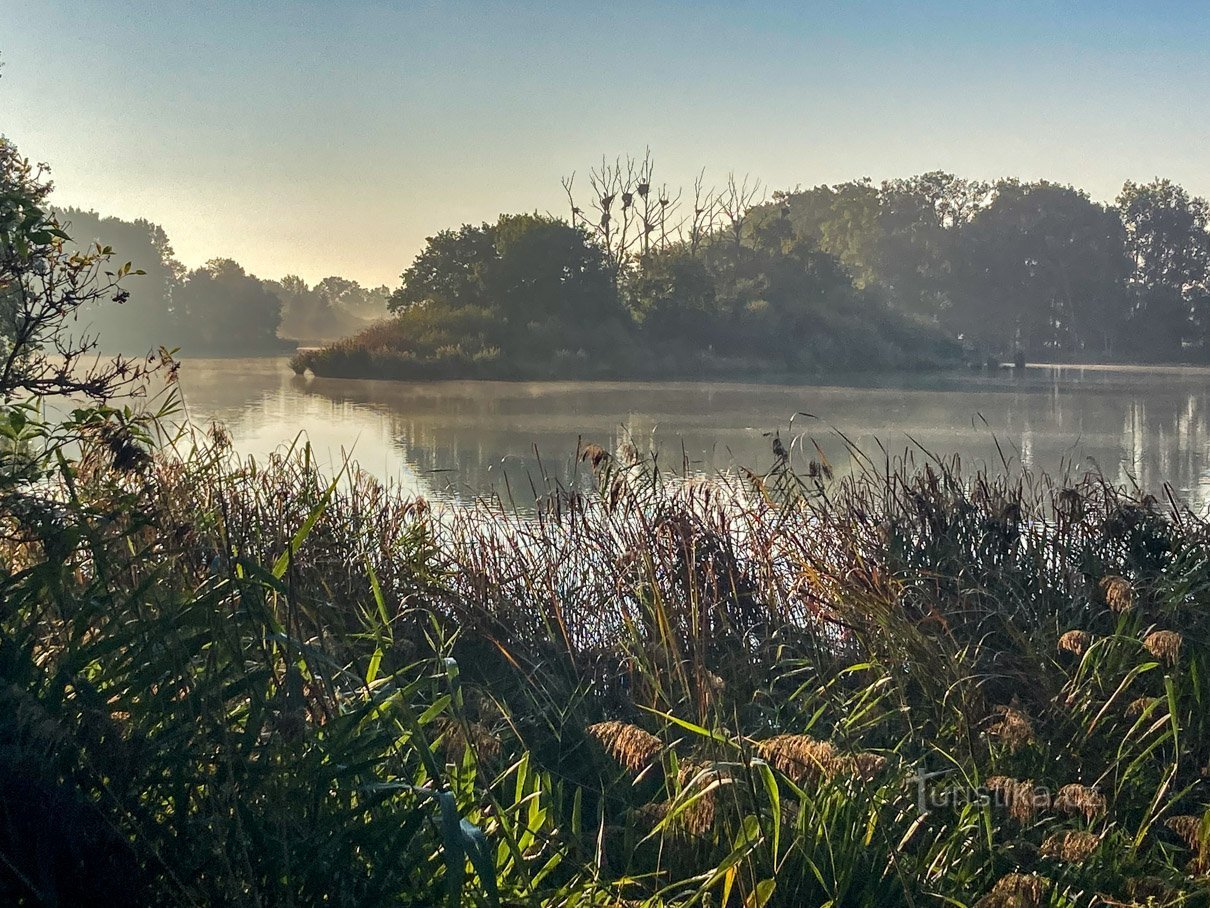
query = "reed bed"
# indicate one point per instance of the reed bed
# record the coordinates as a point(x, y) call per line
point(247, 683)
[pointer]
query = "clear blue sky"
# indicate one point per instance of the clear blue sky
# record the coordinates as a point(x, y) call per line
point(332, 137)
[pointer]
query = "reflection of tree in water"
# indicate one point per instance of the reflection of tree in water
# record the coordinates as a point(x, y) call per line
point(472, 437)
point(1165, 440)
point(463, 444)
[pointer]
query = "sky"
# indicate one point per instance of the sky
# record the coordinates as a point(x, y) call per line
point(322, 138)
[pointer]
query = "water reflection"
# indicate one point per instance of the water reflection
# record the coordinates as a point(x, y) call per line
point(458, 439)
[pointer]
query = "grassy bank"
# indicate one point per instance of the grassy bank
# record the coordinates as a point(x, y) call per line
point(252, 684)
point(399, 349)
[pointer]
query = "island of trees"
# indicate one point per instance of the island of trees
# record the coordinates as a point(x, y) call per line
point(933, 269)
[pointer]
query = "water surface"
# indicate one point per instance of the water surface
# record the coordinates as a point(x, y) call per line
point(459, 439)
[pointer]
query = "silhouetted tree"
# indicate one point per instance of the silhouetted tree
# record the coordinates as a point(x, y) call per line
point(1042, 267)
point(226, 310)
point(148, 319)
point(1168, 240)
point(45, 286)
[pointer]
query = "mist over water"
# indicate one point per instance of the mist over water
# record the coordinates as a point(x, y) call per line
point(460, 439)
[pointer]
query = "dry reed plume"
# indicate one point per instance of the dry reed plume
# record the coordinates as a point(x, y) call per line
point(1016, 890)
point(1075, 641)
point(633, 747)
point(1117, 593)
point(1013, 727)
point(1021, 798)
point(1080, 799)
point(1164, 645)
point(1071, 845)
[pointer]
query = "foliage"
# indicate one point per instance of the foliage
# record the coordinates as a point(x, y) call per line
point(224, 312)
point(223, 308)
point(1031, 267)
point(856, 275)
point(1045, 266)
point(1168, 239)
point(248, 683)
point(333, 308)
point(548, 301)
point(243, 683)
point(228, 682)
point(175, 729)
point(146, 320)
point(44, 286)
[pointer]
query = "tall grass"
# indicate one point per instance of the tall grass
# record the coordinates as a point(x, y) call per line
point(250, 683)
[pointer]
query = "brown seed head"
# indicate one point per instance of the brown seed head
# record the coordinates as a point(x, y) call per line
point(1013, 727)
point(1021, 798)
point(1076, 798)
point(1075, 642)
point(1071, 845)
point(1117, 593)
point(647, 817)
point(1189, 828)
point(594, 454)
point(455, 739)
point(1016, 890)
point(1139, 705)
point(698, 819)
point(866, 766)
point(630, 745)
point(801, 757)
point(1164, 645)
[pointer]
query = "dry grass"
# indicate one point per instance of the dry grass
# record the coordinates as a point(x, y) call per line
point(849, 632)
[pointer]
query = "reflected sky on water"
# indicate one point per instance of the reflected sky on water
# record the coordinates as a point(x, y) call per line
point(459, 439)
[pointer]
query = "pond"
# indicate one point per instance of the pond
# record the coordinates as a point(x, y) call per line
point(456, 440)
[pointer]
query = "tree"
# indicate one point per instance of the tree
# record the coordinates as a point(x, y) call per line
point(333, 308)
point(147, 320)
point(842, 221)
point(225, 309)
point(449, 271)
point(304, 314)
point(629, 215)
point(546, 269)
point(920, 221)
point(351, 302)
point(1043, 268)
point(672, 295)
point(545, 285)
point(1168, 240)
point(44, 287)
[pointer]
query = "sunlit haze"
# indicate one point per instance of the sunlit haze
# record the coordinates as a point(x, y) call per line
point(331, 138)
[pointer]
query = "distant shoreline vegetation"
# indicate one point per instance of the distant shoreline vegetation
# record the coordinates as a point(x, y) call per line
point(640, 280)
point(646, 282)
point(216, 309)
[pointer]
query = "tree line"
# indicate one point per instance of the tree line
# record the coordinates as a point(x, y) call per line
point(641, 278)
point(1032, 266)
point(218, 307)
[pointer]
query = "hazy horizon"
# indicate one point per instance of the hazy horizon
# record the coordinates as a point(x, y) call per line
point(316, 138)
